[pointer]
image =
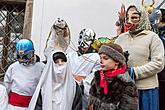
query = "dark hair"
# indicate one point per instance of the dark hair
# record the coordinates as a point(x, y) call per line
point(58, 55)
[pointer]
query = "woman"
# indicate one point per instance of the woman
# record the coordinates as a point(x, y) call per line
point(146, 57)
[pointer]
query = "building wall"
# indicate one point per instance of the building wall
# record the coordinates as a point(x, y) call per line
point(28, 19)
point(99, 15)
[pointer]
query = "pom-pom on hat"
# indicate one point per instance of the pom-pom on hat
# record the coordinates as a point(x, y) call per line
point(58, 55)
point(114, 51)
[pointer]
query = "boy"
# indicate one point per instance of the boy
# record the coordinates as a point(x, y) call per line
point(22, 77)
point(112, 87)
point(58, 88)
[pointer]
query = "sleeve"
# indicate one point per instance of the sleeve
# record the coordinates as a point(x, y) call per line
point(55, 41)
point(77, 102)
point(51, 43)
point(3, 98)
point(8, 78)
point(156, 63)
point(129, 99)
point(87, 81)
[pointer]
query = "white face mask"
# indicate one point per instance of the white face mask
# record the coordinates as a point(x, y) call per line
point(59, 73)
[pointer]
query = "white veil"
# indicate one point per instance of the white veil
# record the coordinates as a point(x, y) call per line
point(58, 87)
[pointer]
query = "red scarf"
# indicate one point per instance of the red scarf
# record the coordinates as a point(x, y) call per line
point(109, 74)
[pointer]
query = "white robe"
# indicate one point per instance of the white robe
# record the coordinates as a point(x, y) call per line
point(83, 65)
point(22, 80)
point(3, 97)
point(58, 87)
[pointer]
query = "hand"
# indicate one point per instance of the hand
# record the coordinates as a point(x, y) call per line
point(131, 73)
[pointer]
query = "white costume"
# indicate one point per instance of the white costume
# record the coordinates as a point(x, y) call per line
point(22, 80)
point(84, 65)
point(3, 97)
point(57, 86)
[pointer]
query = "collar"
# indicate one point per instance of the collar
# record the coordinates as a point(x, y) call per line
point(144, 32)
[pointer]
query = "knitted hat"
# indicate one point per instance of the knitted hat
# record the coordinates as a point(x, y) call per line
point(114, 51)
point(58, 55)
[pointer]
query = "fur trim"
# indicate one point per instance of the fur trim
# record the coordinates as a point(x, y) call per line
point(114, 54)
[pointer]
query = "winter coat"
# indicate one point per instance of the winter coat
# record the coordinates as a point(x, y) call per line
point(161, 75)
point(122, 94)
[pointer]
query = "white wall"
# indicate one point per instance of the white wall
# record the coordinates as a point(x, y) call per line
point(99, 15)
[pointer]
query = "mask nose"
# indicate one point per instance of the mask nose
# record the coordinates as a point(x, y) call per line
point(129, 21)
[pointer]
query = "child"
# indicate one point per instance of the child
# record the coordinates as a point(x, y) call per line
point(112, 87)
point(22, 77)
point(58, 88)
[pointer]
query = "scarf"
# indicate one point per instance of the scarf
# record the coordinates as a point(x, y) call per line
point(109, 74)
point(144, 23)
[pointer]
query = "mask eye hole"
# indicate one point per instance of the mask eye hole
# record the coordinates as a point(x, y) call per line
point(26, 56)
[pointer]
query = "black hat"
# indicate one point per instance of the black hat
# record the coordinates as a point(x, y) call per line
point(58, 55)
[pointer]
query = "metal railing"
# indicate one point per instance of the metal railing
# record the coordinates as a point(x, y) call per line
point(11, 29)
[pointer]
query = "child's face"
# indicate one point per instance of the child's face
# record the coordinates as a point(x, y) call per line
point(59, 61)
point(107, 63)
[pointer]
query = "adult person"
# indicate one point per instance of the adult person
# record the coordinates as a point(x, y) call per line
point(112, 88)
point(161, 26)
point(21, 77)
point(161, 75)
point(146, 57)
point(84, 61)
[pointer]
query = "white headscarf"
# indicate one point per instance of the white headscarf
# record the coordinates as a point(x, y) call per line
point(58, 87)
